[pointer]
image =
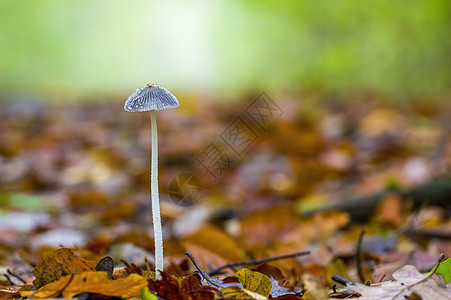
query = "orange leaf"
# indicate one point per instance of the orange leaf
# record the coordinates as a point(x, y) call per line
point(91, 282)
point(58, 264)
point(210, 245)
point(389, 211)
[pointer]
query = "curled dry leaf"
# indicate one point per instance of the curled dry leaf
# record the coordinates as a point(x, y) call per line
point(408, 282)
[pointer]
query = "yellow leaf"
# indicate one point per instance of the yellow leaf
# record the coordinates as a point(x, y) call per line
point(254, 281)
point(146, 295)
point(91, 282)
point(234, 292)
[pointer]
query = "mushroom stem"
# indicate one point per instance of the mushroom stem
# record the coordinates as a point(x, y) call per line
point(158, 232)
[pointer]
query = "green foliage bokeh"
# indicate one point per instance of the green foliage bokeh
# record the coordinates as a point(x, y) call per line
point(395, 48)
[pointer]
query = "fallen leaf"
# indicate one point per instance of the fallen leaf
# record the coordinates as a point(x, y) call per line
point(390, 211)
point(234, 292)
point(192, 285)
point(269, 270)
point(189, 289)
point(146, 295)
point(268, 225)
point(60, 263)
point(277, 290)
point(87, 200)
point(254, 281)
point(408, 281)
point(210, 245)
point(314, 289)
point(91, 282)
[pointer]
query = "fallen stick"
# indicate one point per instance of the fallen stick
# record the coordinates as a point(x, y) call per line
point(256, 262)
point(435, 192)
point(358, 256)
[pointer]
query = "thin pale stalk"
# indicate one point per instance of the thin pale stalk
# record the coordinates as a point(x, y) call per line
point(158, 232)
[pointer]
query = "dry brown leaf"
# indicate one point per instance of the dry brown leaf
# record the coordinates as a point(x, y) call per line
point(212, 246)
point(189, 288)
point(408, 281)
point(389, 211)
point(60, 263)
point(91, 282)
point(268, 225)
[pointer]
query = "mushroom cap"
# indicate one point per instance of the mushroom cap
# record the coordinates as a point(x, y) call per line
point(151, 97)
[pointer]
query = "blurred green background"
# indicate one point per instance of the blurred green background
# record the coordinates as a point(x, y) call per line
point(75, 49)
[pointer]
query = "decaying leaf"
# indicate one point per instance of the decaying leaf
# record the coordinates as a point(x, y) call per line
point(60, 263)
point(408, 282)
point(189, 289)
point(254, 281)
point(91, 282)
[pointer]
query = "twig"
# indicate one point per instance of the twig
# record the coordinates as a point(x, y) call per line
point(341, 280)
point(16, 276)
point(439, 261)
point(382, 278)
point(358, 256)
point(360, 208)
point(9, 279)
point(430, 233)
point(190, 256)
point(256, 262)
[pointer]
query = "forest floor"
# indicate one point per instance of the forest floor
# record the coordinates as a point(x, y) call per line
point(270, 197)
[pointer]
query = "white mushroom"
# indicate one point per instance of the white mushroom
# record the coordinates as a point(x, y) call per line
point(152, 98)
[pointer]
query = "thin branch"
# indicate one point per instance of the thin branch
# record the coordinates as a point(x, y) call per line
point(16, 276)
point(190, 256)
point(358, 256)
point(9, 279)
point(256, 262)
point(430, 233)
point(341, 280)
point(439, 261)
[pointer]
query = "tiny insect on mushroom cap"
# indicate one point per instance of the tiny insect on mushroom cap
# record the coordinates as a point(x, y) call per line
point(150, 97)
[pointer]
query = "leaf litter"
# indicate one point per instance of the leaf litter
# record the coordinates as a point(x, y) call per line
point(294, 191)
